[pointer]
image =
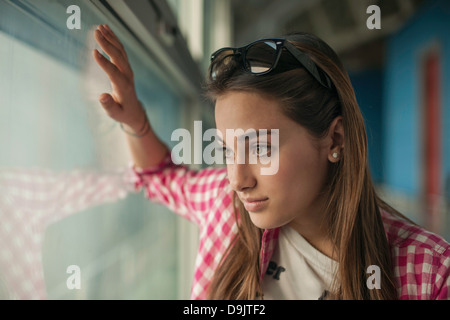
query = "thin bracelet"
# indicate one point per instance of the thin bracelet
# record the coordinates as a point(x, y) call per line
point(146, 126)
point(134, 134)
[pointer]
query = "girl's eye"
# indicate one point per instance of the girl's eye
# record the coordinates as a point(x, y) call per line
point(227, 153)
point(261, 150)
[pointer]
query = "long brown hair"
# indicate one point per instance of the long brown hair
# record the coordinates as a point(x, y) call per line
point(354, 221)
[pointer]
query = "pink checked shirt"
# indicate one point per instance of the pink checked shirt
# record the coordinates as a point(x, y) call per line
point(421, 259)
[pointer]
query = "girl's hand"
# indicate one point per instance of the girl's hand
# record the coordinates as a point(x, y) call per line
point(122, 104)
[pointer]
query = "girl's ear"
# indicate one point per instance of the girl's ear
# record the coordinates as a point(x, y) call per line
point(336, 140)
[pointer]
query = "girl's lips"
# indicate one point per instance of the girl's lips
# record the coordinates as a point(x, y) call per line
point(255, 205)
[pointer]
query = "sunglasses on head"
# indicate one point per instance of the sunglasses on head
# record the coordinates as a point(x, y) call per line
point(261, 57)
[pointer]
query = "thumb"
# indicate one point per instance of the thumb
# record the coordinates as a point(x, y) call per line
point(112, 108)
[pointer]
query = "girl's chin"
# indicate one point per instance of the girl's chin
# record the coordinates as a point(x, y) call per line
point(262, 221)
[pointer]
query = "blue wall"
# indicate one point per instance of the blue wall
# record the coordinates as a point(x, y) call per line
point(402, 137)
point(369, 92)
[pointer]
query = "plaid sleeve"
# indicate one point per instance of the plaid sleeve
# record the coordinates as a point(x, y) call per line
point(442, 282)
point(421, 260)
point(189, 193)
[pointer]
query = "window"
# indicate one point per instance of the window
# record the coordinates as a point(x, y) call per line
point(63, 196)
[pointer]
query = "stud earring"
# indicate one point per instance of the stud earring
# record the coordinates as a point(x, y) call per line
point(335, 155)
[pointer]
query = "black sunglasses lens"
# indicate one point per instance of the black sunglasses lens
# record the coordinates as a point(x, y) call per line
point(261, 56)
point(222, 61)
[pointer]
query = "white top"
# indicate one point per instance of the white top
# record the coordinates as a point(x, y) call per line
point(297, 270)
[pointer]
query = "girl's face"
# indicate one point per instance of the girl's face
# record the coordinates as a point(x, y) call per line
point(292, 195)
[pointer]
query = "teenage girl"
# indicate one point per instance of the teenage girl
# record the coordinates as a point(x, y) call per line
point(315, 229)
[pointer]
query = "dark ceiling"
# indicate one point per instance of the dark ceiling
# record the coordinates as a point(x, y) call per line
point(341, 23)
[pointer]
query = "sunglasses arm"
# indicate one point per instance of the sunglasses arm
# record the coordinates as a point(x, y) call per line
point(308, 64)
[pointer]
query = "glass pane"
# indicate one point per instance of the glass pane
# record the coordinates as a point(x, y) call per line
point(63, 198)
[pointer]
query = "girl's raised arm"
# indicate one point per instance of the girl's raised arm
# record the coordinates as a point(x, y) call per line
point(123, 104)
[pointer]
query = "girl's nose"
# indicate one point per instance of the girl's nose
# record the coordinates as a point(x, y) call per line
point(240, 176)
